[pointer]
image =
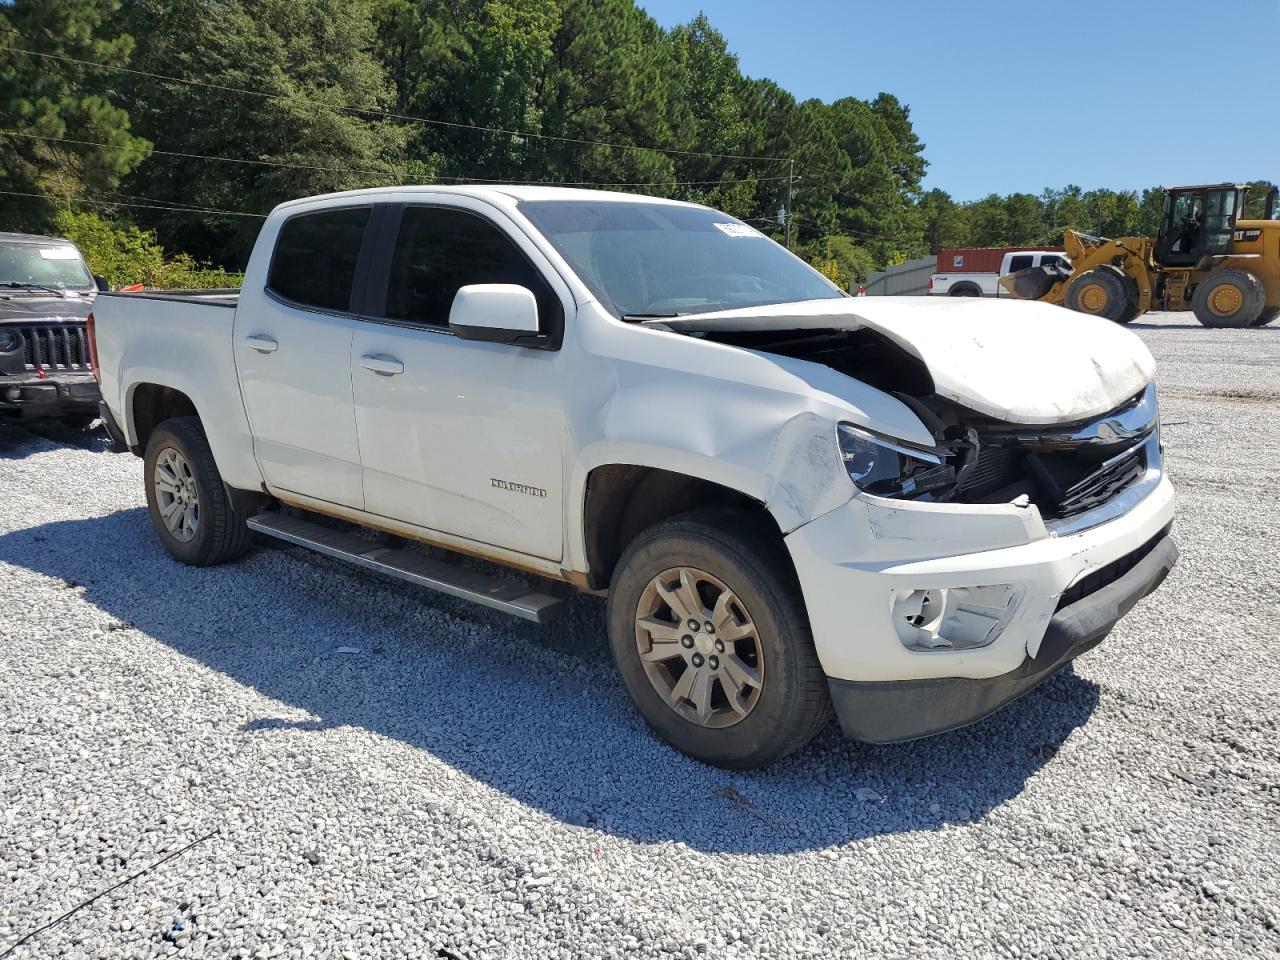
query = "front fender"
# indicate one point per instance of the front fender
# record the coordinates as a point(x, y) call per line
point(787, 459)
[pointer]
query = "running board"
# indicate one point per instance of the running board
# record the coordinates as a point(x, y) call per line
point(497, 593)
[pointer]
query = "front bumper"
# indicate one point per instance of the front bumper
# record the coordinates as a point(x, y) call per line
point(49, 397)
point(854, 561)
point(896, 710)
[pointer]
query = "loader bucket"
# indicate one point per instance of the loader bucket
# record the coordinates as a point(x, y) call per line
point(1031, 283)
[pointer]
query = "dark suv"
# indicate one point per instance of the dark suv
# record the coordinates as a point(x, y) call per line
point(46, 292)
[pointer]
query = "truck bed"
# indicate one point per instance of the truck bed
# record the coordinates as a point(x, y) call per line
point(161, 343)
point(216, 296)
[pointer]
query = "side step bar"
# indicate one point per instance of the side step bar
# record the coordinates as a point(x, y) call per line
point(506, 595)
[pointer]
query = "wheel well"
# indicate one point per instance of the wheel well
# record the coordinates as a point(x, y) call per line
point(153, 404)
point(623, 500)
point(959, 289)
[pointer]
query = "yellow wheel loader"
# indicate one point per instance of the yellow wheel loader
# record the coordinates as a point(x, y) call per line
point(1204, 259)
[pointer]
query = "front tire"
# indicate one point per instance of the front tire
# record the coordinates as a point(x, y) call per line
point(190, 510)
point(710, 635)
point(1103, 293)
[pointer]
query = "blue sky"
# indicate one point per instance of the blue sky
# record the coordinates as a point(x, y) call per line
point(1019, 96)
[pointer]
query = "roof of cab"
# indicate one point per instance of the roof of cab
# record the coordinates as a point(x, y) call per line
point(501, 194)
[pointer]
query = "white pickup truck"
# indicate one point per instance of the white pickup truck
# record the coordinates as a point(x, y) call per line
point(958, 283)
point(906, 510)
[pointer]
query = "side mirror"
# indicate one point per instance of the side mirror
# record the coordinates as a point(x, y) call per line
point(494, 313)
point(100, 282)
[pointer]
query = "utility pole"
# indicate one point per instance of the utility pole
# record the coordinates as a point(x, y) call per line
point(791, 179)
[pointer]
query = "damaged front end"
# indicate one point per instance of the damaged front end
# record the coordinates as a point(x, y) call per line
point(1065, 470)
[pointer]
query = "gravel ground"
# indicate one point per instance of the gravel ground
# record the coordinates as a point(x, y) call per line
point(463, 786)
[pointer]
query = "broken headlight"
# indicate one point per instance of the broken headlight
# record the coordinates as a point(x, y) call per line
point(892, 468)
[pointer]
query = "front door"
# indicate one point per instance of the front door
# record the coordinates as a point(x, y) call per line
point(459, 436)
point(293, 354)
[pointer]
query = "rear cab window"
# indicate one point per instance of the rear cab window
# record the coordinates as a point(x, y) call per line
point(315, 258)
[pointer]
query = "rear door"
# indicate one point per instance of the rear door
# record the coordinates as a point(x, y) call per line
point(293, 354)
point(458, 436)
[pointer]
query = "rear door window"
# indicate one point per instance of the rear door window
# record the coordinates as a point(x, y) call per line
point(1019, 263)
point(314, 263)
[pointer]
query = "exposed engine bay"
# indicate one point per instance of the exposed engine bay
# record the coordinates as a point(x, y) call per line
point(1065, 469)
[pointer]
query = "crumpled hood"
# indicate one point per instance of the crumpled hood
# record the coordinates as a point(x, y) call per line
point(1014, 360)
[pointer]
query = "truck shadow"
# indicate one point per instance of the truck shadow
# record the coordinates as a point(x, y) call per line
point(22, 440)
point(534, 712)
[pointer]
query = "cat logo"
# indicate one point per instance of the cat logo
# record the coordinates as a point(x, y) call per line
point(1247, 236)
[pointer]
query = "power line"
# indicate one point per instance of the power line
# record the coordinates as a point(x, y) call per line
point(397, 177)
point(120, 203)
point(397, 116)
point(196, 156)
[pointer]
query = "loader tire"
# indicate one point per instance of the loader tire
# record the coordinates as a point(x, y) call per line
point(1103, 293)
point(1266, 316)
point(1229, 298)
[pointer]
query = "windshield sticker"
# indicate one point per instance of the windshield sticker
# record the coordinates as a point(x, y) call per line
point(738, 230)
point(59, 253)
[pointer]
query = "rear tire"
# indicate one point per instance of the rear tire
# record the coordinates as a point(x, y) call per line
point(1229, 298)
point(755, 690)
point(190, 510)
point(1103, 293)
point(1266, 316)
point(965, 290)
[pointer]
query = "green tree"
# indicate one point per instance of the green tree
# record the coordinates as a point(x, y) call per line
point(1112, 213)
point(311, 69)
point(1150, 212)
point(124, 254)
point(60, 100)
point(946, 223)
point(1255, 203)
point(1024, 221)
point(989, 222)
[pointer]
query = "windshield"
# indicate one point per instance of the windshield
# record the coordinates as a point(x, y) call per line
point(652, 259)
point(52, 264)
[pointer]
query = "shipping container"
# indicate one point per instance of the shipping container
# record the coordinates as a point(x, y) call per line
point(979, 259)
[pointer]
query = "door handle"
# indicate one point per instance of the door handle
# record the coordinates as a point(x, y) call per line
point(262, 344)
point(382, 365)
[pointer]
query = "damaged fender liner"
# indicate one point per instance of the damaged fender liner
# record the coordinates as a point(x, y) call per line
point(896, 710)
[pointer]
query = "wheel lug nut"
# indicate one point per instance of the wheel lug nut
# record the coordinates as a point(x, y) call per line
point(697, 660)
point(693, 625)
point(714, 663)
point(710, 627)
point(719, 646)
point(686, 641)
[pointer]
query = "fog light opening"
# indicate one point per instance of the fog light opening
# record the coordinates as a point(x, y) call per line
point(955, 618)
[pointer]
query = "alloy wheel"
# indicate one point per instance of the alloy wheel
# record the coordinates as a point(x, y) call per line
point(177, 496)
point(699, 647)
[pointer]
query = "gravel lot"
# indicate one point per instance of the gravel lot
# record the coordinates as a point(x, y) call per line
point(467, 786)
